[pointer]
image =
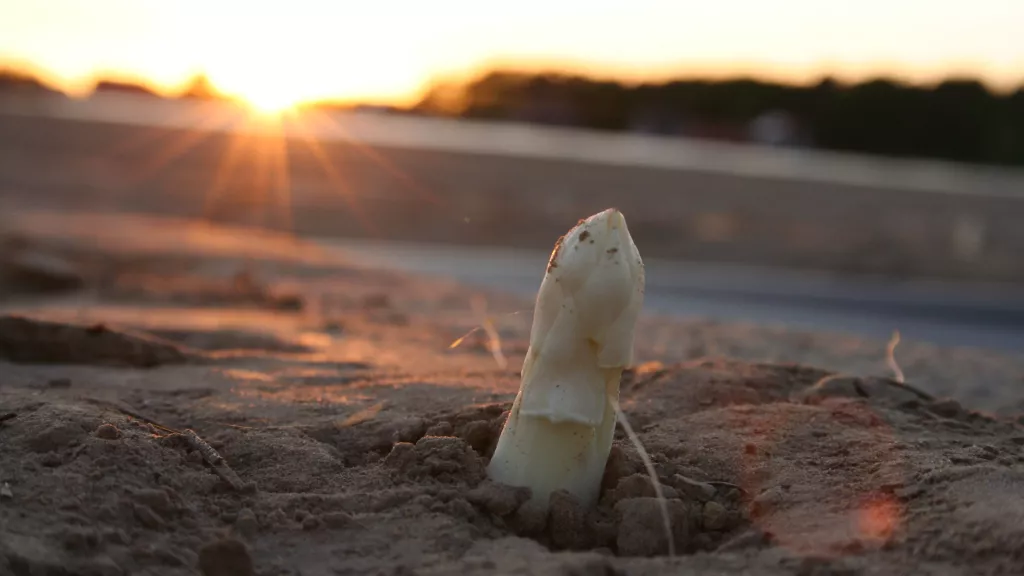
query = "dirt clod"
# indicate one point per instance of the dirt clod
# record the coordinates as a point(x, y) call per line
point(29, 341)
point(715, 516)
point(635, 486)
point(108, 431)
point(337, 520)
point(567, 522)
point(642, 530)
point(227, 557)
point(445, 458)
point(25, 269)
point(621, 463)
point(946, 407)
point(479, 435)
point(498, 499)
point(441, 429)
point(157, 500)
point(310, 523)
point(531, 519)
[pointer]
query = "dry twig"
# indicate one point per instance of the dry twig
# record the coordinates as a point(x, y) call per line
point(129, 411)
point(209, 454)
point(216, 461)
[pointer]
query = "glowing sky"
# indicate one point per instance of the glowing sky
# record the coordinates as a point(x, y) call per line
point(306, 49)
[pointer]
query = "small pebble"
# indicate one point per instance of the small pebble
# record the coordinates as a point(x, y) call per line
point(78, 539)
point(158, 500)
point(440, 429)
point(699, 491)
point(116, 536)
point(311, 523)
point(169, 557)
point(5, 491)
point(751, 538)
point(946, 407)
point(337, 519)
point(147, 517)
point(108, 432)
point(908, 492)
point(766, 501)
point(277, 517)
point(715, 516)
point(460, 508)
point(51, 460)
point(187, 556)
point(246, 523)
point(100, 566)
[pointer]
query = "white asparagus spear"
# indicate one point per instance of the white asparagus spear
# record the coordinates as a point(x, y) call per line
point(560, 429)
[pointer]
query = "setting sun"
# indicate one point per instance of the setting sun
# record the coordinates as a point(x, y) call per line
point(268, 101)
point(275, 55)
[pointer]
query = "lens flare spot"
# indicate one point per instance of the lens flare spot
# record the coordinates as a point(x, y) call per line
point(878, 518)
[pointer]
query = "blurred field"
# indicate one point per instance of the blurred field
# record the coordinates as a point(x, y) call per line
point(360, 175)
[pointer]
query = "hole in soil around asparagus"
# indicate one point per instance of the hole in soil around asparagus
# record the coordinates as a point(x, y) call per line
point(453, 450)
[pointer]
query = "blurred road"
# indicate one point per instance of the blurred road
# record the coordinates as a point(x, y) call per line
point(395, 177)
point(949, 314)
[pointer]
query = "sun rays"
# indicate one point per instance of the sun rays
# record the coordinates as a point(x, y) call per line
point(238, 164)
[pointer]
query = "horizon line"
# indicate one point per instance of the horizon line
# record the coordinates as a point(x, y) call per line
point(82, 86)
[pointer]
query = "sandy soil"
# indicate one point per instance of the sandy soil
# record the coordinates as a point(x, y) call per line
point(336, 431)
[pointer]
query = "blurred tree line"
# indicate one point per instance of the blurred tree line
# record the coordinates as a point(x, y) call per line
point(954, 120)
point(15, 81)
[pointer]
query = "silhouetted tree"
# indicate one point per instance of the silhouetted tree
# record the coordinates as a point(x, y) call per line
point(122, 87)
point(958, 119)
point(12, 80)
point(200, 88)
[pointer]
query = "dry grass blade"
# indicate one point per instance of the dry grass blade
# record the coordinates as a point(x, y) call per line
point(129, 411)
point(209, 454)
point(458, 341)
point(364, 415)
point(479, 306)
point(649, 466)
point(493, 338)
point(890, 356)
